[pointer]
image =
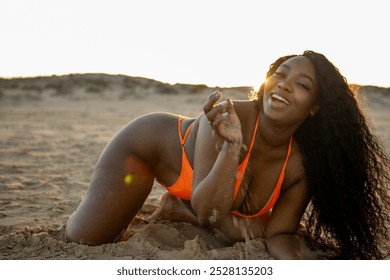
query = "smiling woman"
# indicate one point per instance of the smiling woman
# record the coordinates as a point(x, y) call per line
point(346, 169)
point(250, 168)
point(296, 75)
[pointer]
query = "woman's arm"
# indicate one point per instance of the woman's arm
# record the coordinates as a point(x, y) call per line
point(281, 232)
point(216, 158)
point(284, 246)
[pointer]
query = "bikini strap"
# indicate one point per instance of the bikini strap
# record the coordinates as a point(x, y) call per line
point(254, 134)
point(179, 129)
point(183, 139)
point(187, 133)
point(275, 194)
point(288, 154)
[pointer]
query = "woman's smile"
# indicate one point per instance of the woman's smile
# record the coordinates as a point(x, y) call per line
point(279, 99)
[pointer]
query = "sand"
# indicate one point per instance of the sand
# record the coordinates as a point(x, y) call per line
point(53, 130)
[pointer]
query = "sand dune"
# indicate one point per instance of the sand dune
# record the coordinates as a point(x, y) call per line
point(52, 132)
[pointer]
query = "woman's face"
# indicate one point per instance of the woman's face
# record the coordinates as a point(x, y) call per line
point(290, 94)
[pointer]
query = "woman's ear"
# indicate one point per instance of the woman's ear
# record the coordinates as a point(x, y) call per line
point(314, 110)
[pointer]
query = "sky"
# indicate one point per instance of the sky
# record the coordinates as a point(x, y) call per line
point(213, 42)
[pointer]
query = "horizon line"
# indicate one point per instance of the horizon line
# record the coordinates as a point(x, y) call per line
point(153, 79)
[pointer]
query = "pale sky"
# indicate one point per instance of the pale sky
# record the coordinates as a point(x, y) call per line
point(213, 42)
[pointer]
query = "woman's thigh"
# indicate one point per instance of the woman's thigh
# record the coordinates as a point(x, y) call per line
point(122, 181)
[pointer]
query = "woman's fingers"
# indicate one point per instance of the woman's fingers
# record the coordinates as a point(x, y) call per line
point(212, 110)
point(218, 114)
point(213, 99)
point(227, 125)
point(216, 111)
point(221, 112)
point(230, 107)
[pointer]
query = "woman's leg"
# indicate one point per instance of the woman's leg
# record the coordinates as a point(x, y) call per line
point(119, 188)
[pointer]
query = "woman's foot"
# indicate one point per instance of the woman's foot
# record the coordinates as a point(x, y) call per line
point(172, 208)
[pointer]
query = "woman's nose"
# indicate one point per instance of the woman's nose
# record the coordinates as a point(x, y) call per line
point(285, 85)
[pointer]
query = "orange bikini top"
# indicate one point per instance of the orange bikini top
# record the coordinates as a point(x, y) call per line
point(182, 188)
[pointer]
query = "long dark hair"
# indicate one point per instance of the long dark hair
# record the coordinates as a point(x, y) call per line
point(346, 167)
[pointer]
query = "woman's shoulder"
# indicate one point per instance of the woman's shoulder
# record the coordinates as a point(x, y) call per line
point(245, 109)
point(245, 104)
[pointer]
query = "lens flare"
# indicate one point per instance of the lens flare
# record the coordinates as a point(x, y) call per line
point(129, 178)
point(136, 173)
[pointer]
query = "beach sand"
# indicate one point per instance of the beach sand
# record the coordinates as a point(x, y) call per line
point(52, 131)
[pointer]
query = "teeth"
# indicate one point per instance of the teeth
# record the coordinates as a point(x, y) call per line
point(278, 97)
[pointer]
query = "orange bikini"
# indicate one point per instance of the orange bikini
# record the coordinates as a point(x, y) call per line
point(182, 188)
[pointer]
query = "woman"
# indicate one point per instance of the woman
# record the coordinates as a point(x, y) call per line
point(250, 168)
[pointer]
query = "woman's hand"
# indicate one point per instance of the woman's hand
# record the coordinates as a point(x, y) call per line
point(223, 119)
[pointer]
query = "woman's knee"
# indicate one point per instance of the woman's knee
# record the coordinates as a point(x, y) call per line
point(73, 232)
point(91, 232)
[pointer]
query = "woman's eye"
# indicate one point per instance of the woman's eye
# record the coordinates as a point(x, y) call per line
point(304, 86)
point(278, 74)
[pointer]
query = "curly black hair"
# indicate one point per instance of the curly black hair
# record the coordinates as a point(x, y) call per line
point(346, 168)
